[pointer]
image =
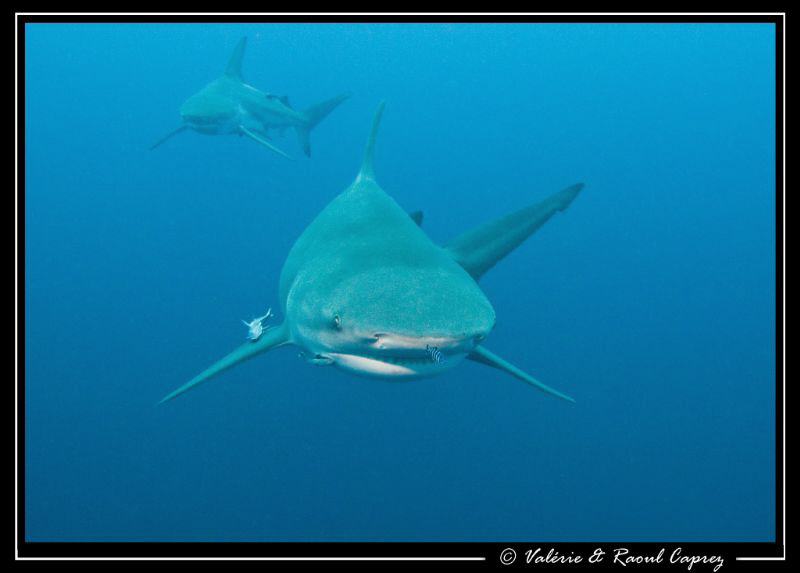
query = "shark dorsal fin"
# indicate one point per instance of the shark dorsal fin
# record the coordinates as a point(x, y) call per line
point(416, 216)
point(367, 169)
point(234, 69)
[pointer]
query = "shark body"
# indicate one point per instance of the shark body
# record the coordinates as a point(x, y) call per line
point(366, 290)
point(228, 105)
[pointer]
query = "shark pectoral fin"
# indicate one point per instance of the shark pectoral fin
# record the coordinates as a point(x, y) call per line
point(313, 115)
point(478, 250)
point(263, 142)
point(272, 338)
point(234, 69)
point(166, 137)
point(416, 216)
point(482, 355)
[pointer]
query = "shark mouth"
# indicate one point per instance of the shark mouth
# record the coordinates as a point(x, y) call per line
point(390, 356)
point(212, 126)
point(393, 365)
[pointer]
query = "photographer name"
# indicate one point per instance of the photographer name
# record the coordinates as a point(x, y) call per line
point(623, 556)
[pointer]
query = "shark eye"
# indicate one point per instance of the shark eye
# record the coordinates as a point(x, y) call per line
point(337, 322)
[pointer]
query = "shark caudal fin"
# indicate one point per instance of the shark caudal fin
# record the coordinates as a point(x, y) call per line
point(313, 116)
point(480, 354)
point(234, 69)
point(272, 338)
point(479, 249)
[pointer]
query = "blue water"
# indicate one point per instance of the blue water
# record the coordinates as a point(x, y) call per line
point(651, 300)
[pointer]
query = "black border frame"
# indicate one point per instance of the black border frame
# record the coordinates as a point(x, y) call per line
point(490, 552)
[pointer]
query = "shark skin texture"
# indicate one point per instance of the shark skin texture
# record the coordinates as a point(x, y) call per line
point(228, 105)
point(365, 289)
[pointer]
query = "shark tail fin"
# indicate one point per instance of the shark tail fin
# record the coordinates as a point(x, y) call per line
point(313, 116)
point(480, 249)
point(271, 338)
point(234, 69)
point(480, 354)
point(367, 165)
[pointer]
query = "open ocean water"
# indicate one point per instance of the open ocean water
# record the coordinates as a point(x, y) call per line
point(651, 300)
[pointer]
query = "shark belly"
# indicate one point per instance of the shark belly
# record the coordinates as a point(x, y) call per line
point(213, 129)
point(274, 120)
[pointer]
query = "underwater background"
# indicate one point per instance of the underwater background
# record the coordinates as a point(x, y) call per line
point(651, 300)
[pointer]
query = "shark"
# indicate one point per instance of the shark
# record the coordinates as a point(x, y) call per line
point(366, 290)
point(228, 105)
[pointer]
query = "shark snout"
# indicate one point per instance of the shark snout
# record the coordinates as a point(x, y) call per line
point(207, 123)
point(208, 113)
point(199, 120)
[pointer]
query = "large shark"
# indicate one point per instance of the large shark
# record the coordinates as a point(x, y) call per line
point(229, 106)
point(364, 288)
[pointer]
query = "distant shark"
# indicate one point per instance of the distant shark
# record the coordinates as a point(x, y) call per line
point(228, 105)
point(364, 288)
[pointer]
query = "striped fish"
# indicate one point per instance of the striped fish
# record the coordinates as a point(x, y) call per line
point(434, 353)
